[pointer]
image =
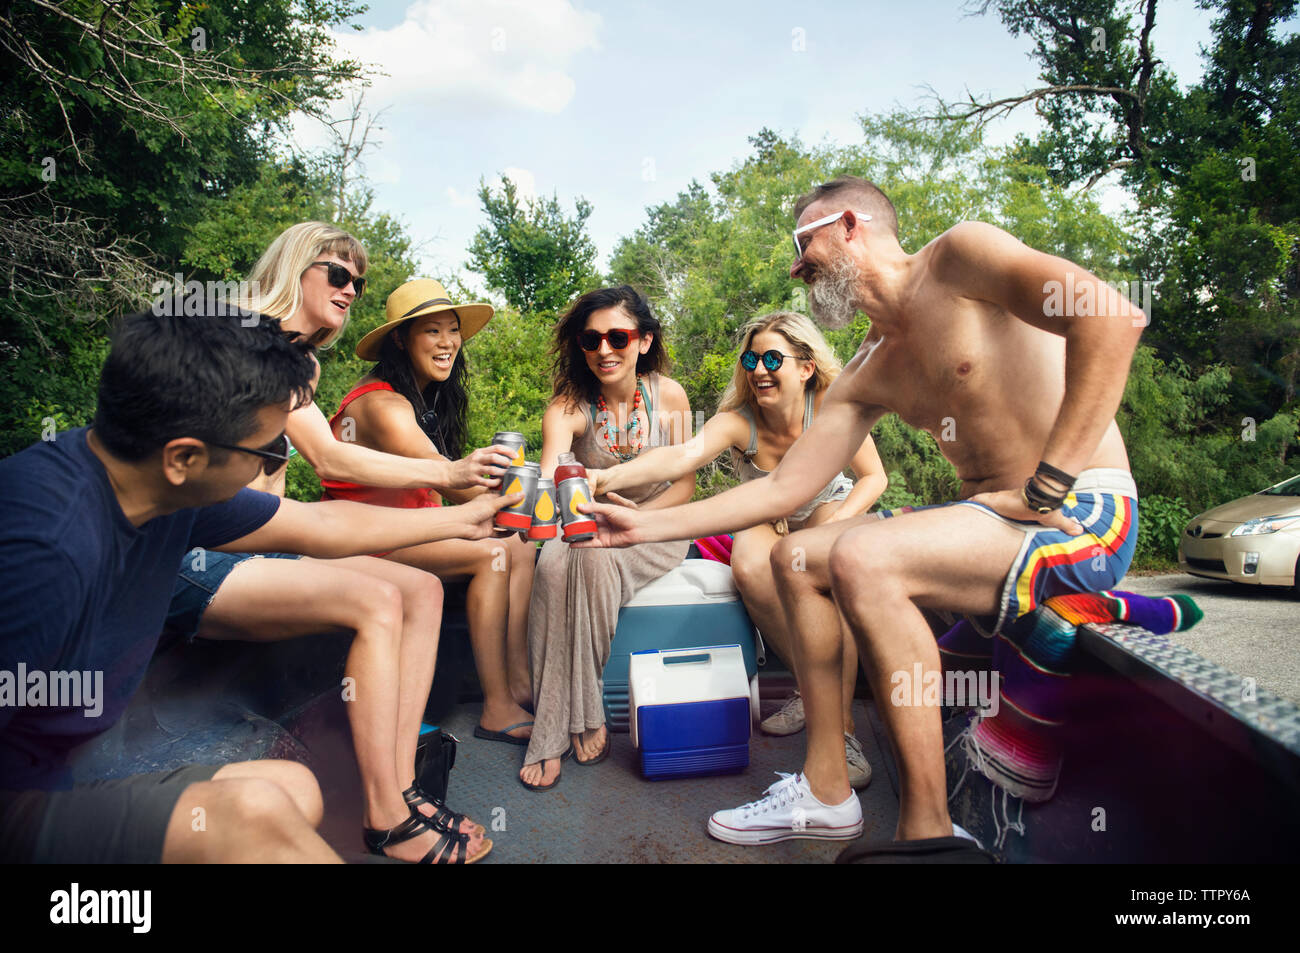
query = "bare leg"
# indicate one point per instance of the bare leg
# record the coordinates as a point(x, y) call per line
point(487, 564)
point(882, 573)
point(751, 567)
point(800, 566)
point(273, 599)
point(523, 555)
point(251, 812)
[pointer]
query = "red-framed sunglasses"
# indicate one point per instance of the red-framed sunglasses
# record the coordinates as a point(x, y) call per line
point(618, 339)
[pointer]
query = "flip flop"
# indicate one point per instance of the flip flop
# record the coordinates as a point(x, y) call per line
point(604, 752)
point(504, 735)
point(546, 787)
point(929, 850)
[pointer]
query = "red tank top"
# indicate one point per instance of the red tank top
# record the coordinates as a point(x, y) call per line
point(411, 499)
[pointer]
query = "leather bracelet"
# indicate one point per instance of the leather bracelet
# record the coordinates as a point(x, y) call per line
point(1052, 473)
point(1039, 500)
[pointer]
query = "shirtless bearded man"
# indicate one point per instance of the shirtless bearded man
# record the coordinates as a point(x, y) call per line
point(973, 339)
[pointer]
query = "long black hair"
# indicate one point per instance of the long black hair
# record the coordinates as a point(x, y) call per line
point(570, 375)
point(441, 408)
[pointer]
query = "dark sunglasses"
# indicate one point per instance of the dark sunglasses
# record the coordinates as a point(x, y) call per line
point(772, 360)
point(276, 453)
point(340, 276)
point(618, 339)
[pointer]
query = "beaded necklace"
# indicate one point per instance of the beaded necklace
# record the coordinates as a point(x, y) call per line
point(609, 433)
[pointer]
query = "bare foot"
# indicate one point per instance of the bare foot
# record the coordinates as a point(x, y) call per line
point(541, 773)
point(498, 717)
point(589, 745)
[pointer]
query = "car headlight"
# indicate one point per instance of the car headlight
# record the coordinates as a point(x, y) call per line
point(1263, 525)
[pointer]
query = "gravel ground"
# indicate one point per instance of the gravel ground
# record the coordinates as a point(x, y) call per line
point(1252, 630)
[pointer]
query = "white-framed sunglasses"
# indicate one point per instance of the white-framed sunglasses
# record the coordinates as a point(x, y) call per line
point(798, 246)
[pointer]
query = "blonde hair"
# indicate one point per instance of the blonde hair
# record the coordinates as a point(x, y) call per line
point(277, 276)
point(807, 343)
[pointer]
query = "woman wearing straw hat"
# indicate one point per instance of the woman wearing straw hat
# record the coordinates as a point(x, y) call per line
point(308, 279)
point(413, 403)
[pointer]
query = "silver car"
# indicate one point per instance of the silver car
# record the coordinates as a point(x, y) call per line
point(1255, 539)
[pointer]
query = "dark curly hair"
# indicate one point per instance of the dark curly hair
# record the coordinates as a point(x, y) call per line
point(570, 375)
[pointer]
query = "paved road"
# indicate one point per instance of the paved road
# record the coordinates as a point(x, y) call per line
point(1252, 630)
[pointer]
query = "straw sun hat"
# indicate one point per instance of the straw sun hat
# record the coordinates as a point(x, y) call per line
point(417, 297)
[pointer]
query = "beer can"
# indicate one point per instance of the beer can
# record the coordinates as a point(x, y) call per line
point(522, 479)
point(513, 440)
point(572, 491)
point(546, 514)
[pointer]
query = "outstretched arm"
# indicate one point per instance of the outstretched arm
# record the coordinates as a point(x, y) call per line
point(337, 528)
point(343, 460)
point(821, 452)
point(385, 422)
point(674, 461)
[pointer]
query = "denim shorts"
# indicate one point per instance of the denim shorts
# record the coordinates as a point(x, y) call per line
point(201, 575)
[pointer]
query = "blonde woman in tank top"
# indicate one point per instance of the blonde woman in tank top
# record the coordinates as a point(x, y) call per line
point(781, 376)
point(611, 402)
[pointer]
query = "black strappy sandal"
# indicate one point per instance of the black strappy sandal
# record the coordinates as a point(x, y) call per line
point(415, 825)
point(414, 797)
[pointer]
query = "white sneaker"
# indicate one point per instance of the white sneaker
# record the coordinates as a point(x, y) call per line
point(787, 720)
point(859, 769)
point(788, 810)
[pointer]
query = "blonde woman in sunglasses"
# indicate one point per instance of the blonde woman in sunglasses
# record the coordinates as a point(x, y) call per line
point(781, 376)
point(308, 280)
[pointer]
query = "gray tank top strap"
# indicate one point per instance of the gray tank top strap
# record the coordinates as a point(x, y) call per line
point(807, 409)
point(753, 430)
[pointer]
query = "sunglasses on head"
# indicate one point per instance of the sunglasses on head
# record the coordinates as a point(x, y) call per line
point(339, 277)
point(772, 360)
point(800, 247)
point(275, 453)
point(618, 339)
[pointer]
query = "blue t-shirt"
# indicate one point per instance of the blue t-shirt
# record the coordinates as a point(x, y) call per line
point(83, 591)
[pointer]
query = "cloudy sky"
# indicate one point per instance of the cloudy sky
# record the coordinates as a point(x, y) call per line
point(624, 103)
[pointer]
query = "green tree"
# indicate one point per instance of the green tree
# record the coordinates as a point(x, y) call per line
point(122, 125)
point(531, 253)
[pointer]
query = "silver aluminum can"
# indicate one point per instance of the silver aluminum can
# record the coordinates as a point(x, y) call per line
point(519, 480)
point(546, 513)
point(513, 440)
point(570, 494)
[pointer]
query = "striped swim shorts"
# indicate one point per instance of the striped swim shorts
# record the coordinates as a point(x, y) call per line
point(1050, 562)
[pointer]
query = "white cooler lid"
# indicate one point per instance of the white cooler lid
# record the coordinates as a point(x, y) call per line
point(693, 582)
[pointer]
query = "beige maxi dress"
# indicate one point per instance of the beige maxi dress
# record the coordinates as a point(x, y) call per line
point(574, 609)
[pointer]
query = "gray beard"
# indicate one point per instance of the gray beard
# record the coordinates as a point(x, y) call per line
point(832, 297)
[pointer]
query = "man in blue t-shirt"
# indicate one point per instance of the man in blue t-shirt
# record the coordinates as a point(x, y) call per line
point(92, 526)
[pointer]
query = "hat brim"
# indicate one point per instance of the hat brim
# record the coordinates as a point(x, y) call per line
point(472, 319)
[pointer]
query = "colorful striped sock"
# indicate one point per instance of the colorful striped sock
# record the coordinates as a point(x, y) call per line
point(1159, 615)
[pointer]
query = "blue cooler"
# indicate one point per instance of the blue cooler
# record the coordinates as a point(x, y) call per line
point(690, 711)
point(696, 603)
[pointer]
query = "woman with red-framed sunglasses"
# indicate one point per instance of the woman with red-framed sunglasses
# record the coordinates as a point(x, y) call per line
point(612, 401)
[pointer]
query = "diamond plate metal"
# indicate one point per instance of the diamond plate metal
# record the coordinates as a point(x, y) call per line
point(1272, 716)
